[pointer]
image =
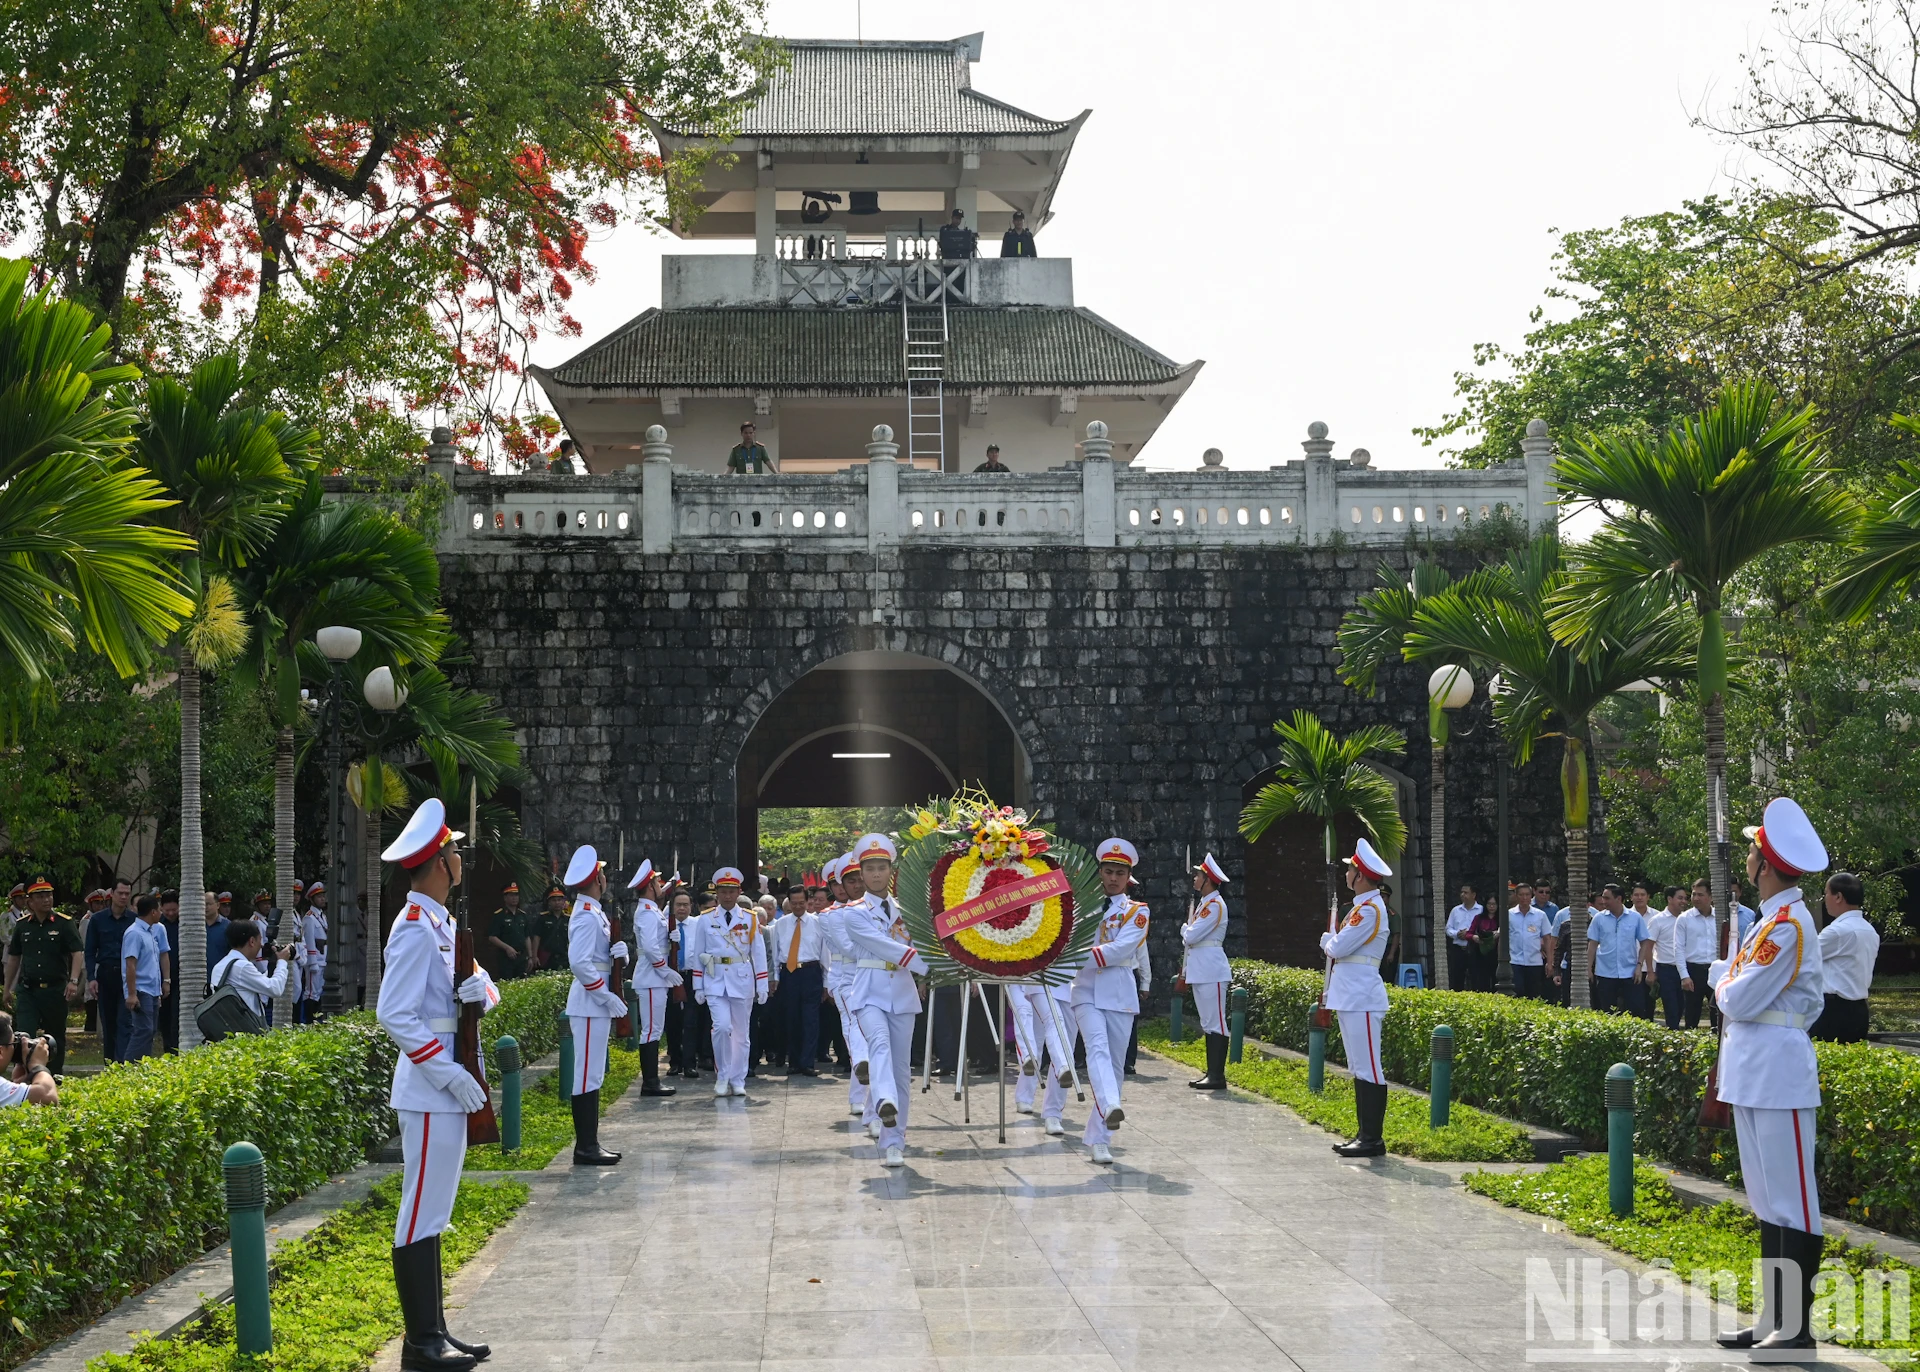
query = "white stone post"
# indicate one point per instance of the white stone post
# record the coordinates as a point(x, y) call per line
point(656, 492)
point(1542, 514)
point(440, 462)
point(883, 489)
point(1097, 520)
point(1323, 495)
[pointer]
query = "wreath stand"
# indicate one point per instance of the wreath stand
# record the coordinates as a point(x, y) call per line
point(978, 985)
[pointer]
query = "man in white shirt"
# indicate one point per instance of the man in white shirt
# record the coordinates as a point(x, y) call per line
point(238, 968)
point(1459, 920)
point(1697, 953)
point(799, 948)
point(1529, 943)
point(1848, 947)
point(1664, 925)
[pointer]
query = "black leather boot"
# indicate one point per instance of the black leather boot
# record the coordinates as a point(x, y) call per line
point(1766, 1298)
point(479, 1352)
point(1215, 1078)
point(650, 1071)
point(1800, 1253)
point(416, 1276)
point(1370, 1111)
point(587, 1151)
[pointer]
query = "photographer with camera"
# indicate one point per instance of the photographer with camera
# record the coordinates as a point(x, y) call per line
point(28, 1080)
point(237, 969)
point(43, 969)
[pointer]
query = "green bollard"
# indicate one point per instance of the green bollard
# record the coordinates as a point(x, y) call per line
point(506, 1053)
point(1238, 1029)
point(562, 1087)
point(1173, 1018)
point(246, 1175)
point(1619, 1098)
point(1441, 1085)
point(1316, 1059)
point(632, 1040)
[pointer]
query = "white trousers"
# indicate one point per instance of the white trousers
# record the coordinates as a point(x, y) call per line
point(1210, 999)
point(316, 979)
point(1776, 1166)
point(1105, 1032)
point(589, 1052)
point(889, 1036)
point(857, 1092)
point(651, 1022)
point(732, 1017)
point(434, 1147)
point(1055, 1100)
point(1360, 1032)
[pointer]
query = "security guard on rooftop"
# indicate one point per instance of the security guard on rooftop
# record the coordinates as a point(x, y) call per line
point(1018, 240)
point(43, 969)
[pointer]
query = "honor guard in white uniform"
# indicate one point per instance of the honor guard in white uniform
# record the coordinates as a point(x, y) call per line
point(1056, 1011)
point(841, 957)
point(593, 1003)
point(1355, 991)
point(652, 977)
point(432, 1093)
point(729, 977)
point(1037, 1036)
point(883, 993)
point(313, 943)
point(1769, 992)
point(1205, 969)
point(1106, 995)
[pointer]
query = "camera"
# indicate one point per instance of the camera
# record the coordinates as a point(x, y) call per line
point(23, 1049)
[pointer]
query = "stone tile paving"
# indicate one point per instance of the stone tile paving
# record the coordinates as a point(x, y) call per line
point(764, 1234)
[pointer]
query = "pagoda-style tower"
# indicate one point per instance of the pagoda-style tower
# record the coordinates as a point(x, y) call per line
point(844, 316)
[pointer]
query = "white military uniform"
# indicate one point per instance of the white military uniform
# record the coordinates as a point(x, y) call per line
point(1106, 997)
point(884, 998)
point(729, 977)
point(842, 957)
point(1354, 988)
point(1038, 1037)
point(592, 1005)
point(313, 959)
point(652, 977)
point(1205, 969)
point(420, 1013)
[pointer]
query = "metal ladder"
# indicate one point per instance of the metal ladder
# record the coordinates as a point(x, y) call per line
point(926, 364)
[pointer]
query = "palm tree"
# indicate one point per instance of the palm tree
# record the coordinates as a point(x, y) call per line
point(1684, 516)
point(231, 469)
point(1496, 619)
point(345, 562)
point(77, 541)
point(1886, 559)
point(1327, 777)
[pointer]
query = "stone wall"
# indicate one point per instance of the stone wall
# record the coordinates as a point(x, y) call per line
point(1142, 686)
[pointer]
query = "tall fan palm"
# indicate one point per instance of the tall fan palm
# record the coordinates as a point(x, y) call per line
point(77, 538)
point(1326, 777)
point(232, 468)
point(348, 563)
point(1496, 619)
point(1684, 515)
point(1886, 558)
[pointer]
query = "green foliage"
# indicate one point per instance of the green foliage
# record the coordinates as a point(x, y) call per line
point(1470, 1135)
point(1885, 562)
point(1326, 777)
point(805, 839)
point(546, 1120)
point(1527, 1060)
point(333, 1300)
point(236, 751)
point(126, 1169)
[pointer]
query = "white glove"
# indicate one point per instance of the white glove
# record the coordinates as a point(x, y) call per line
point(678, 980)
point(472, 991)
point(1717, 971)
point(699, 997)
point(456, 1081)
point(760, 998)
point(618, 953)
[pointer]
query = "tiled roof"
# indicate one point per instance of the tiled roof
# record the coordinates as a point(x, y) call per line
point(884, 89)
point(859, 350)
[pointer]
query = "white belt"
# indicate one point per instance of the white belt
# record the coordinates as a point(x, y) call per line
point(1209, 943)
point(877, 965)
point(1356, 958)
point(443, 1026)
point(601, 966)
point(1782, 1017)
point(724, 962)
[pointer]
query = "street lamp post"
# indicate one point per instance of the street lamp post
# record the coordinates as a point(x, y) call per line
point(385, 695)
point(338, 644)
point(1449, 688)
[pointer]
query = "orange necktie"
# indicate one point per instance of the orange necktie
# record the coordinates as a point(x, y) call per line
point(793, 948)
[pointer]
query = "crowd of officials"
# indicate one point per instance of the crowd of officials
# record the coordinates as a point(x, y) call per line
point(1641, 951)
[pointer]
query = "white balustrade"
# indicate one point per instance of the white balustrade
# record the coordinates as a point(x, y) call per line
point(810, 244)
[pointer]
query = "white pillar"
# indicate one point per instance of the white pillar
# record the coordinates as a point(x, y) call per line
point(883, 489)
point(763, 207)
point(1542, 514)
point(656, 492)
point(1097, 522)
point(1323, 494)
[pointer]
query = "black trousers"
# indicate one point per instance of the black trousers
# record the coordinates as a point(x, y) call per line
point(800, 1006)
point(1610, 994)
point(114, 1020)
point(1481, 969)
point(833, 1036)
point(1843, 1021)
point(1667, 974)
point(1456, 967)
point(42, 1012)
point(1530, 982)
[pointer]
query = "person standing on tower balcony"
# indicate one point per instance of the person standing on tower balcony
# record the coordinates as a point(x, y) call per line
point(1018, 240)
point(957, 241)
point(749, 454)
point(993, 462)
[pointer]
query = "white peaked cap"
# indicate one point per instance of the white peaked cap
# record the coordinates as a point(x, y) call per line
point(1212, 869)
point(1788, 840)
point(585, 863)
point(729, 876)
point(1369, 861)
point(831, 872)
point(426, 834)
point(643, 876)
point(875, 846)
point(1117, 850)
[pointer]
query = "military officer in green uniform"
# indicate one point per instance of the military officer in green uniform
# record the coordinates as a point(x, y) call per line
point(549, 930)
point(43, 969)
point(507, 935)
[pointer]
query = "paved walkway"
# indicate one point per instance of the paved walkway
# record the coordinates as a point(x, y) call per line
point(764, 1235)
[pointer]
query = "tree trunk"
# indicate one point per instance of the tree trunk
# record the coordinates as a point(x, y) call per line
point(1578, 955)
point(1437, 858)
point(375, 920)
point(1719, 865)
point(283, 868)
point(192, 973)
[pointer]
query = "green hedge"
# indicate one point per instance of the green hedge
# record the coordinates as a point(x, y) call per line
point(1536, 1062)
point(120, 1183)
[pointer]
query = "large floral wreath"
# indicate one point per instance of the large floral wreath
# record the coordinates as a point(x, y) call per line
point(995, 894)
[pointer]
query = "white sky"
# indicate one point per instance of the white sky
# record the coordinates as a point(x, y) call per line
point(1330, 203)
